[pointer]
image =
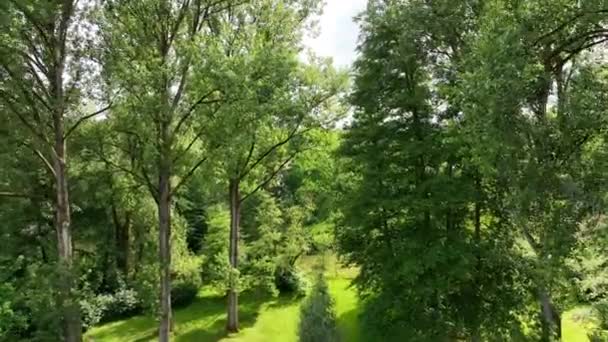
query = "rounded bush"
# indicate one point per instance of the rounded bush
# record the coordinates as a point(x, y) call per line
point(292, 281)
point(183, 294)
point(124, 303)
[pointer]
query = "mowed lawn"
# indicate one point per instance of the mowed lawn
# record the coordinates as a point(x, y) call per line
point(268, 319)
point(262, 319)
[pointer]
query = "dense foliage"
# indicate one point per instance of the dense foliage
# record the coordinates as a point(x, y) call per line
point(150, 149)
point(162, 105)
point(475, 158)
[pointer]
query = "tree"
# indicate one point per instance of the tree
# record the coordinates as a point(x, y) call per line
point(165, 97)
point(265, 144)
point(279, 101)
point(45, 49)
point(444, 128)
point(533, 143)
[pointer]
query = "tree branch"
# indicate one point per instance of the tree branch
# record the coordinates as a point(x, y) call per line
point(189, 174)
point(180, 88)
point(580, 40)
point(247, 170)
point(40, 156)
point(24, 121)
point(250, 154)
point(25, 92)
point(17, 195)
point(29, 16)
point(186, 115)
point(142, 179)
point(535, 245)
point(180, 17)
point(567, 22)
point(272, 175)
point(182, 153)
point(85, 118)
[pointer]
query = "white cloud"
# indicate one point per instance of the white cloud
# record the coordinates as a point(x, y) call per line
point(338, 33)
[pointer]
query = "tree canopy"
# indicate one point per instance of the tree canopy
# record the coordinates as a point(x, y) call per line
point(153, 148)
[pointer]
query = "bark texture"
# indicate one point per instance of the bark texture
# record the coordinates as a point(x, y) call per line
point(164, 238)
point(72, 331)
point(235, 202)
point(67, 303)
point(551, 318)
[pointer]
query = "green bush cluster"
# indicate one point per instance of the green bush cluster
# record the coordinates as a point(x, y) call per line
point(292, 281)
point(126, 302)
point(12, 320)
point(123, 303)
point(183, 293)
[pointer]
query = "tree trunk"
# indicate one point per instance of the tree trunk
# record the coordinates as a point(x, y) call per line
point(164, 238)
point(122, 241)
point(67, 303)
point(476, 335)
point(550, 317)
point(235, 212)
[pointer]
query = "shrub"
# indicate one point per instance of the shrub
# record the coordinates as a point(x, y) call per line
point(186, 280)
point(602, 314)
point(12, 320)
point(102, 308)
point(91, 311)
point(183, 294)
point(291, 281)
point(598, 336)
point(317, 315)
point(122, 304)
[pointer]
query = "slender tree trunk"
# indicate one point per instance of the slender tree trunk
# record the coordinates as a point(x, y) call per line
point(550, 317)
point(121, 241)
point(164, 221)
point(123, 246)
point(235, 212)
point(69, 306)
point(476, 335)
point(67, 303)
point(164, 238)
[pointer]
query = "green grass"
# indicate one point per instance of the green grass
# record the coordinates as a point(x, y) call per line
point(577, 323)
point(276, 319)
point(347, 309)
point(261, 319)
point(201, 321)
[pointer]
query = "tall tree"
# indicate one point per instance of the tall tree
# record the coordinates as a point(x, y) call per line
point(534, 126)
point(45, 47)
point(279, 101)
point(158, 64)
point(418, 204)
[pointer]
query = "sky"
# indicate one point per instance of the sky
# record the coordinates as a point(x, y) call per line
point(338, 33)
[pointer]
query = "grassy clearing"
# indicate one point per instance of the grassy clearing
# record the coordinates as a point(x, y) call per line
point(275, 319)
point(577, 323)
point(262, 319)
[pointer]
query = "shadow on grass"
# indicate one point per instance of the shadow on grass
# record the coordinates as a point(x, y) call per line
point(349, 327)
point(284, 300)
point(204, 321)
point(212, 311)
